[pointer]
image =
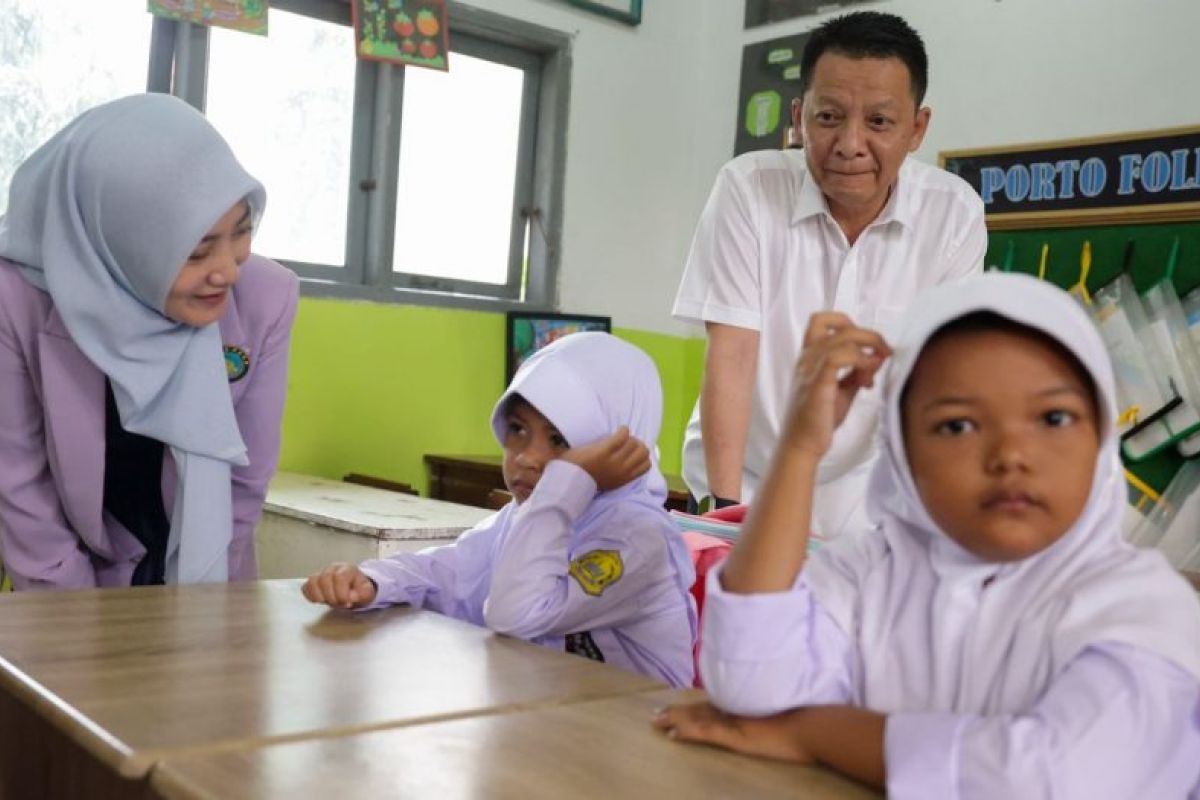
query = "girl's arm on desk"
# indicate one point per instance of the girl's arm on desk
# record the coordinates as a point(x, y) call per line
point(1118, 722)
point(451, 579)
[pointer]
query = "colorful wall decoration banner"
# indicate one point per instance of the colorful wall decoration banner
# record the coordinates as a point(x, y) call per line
point(247, 16)
point(403, 32)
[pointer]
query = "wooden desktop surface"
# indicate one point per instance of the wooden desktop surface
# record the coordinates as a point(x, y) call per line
point(601, 749)
point(132, 676)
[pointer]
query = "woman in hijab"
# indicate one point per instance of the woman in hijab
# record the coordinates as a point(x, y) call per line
point(143, 354)
point(994, 637)
point(584, 559)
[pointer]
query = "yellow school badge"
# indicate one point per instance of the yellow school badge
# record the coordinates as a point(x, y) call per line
point(597, 570)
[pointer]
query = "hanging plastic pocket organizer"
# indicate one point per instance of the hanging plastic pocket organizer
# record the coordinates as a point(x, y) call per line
point(1156, 362)
point(1177, 368)
point(1173, 524)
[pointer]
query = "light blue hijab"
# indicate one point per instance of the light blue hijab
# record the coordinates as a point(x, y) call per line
point(102, 217)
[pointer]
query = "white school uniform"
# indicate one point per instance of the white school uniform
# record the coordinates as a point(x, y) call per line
point(1072, 673)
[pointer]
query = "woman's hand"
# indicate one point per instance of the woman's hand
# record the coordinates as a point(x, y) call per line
point(612, 462)
point(839, 358)
point(776, 737)
point(340, 585)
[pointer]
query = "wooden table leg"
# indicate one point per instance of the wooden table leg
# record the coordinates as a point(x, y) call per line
point(38, 760)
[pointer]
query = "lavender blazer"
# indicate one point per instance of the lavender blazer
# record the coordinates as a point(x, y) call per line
point(54, 532)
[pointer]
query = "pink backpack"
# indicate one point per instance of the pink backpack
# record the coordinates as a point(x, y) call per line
point(708, 551)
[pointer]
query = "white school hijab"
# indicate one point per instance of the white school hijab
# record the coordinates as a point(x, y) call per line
point(588, 385)
point(930, 637)
point(102, 217)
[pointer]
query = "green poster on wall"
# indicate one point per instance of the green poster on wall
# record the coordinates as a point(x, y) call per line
point(770, 79)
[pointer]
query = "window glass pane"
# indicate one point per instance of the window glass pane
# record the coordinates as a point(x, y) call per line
point(458, 164)
point(58, 58)
point(285, 102)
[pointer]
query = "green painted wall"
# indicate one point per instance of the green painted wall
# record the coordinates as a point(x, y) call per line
point(373, 387)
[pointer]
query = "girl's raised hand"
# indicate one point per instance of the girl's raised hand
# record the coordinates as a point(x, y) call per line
point(612, 462)
point(839, 358)
point(340, 585)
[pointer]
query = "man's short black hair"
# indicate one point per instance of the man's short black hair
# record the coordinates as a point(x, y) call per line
point(868, 34)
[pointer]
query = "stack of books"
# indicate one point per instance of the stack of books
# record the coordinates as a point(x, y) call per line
point(724, 529)
point(707, 525)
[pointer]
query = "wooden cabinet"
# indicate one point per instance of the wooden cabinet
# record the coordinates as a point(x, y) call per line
point(470, 479)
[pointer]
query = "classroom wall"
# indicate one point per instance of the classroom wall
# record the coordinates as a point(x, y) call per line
point(1008, 71)
point(651, 121)
point(653, 107)
point(374, 387)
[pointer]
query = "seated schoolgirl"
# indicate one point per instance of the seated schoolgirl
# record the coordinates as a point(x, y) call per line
point(584, 559)
point(994, 636)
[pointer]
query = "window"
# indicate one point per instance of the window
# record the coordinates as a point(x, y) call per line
point(390, 183)
point(58, 58)
point(458, 166)
point(285, 102)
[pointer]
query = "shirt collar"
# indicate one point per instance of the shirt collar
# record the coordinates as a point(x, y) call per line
point(810, 202)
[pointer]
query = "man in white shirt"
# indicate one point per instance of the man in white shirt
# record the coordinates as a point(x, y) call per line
point(848, 223)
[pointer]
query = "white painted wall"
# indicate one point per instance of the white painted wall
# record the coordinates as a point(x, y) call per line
point(1010, 71)
point(652, 110)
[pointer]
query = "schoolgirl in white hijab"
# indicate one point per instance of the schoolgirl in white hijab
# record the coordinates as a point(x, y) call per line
point(927, 663)
point(103, 218)
point(572, 563)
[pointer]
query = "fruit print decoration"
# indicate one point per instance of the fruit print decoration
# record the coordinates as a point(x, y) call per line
point(403, 25)
point(411, 32)
point(427, 23)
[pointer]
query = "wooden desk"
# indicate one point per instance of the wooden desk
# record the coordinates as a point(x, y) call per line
point(105, 683)
point(601, 749)
point(309, 522)
point(468, 479)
